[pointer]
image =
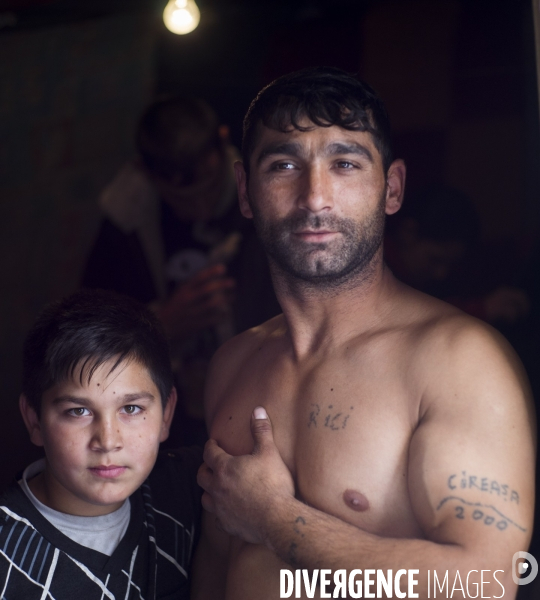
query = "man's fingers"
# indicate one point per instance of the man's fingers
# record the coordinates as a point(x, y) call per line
point(213, 454)
point(261, 430)
point(204, 476)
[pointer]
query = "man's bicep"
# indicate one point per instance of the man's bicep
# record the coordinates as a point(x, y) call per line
point(471, 461)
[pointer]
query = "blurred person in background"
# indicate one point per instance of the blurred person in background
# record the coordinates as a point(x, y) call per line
point(433, 244)
point(172, 236)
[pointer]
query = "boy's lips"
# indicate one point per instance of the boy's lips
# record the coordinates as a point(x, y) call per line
point(107, 471)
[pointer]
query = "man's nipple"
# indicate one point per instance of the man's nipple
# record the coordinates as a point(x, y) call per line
point(355, 500)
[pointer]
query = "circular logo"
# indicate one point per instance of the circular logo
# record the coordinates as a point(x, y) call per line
point(519, 569)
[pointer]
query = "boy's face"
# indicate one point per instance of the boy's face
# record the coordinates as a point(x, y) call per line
point(100, 438)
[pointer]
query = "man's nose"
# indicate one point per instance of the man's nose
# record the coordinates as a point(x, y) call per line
point(316, 193)
point(107, 436)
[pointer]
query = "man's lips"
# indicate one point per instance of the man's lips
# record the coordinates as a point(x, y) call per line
point(107, 471)
point(316, 235)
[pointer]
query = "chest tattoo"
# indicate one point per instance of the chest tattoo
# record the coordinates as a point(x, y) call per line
point(328, 416)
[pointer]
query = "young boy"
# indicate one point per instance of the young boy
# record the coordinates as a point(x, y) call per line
point(98, 517)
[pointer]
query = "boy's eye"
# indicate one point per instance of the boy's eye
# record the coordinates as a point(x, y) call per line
point(80, 411)
point(131, 409)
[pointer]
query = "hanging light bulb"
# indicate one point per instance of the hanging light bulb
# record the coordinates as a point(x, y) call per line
point(181, 16)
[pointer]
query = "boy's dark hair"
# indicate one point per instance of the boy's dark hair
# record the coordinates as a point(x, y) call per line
point(86, 330)
point(174, 133)
point(326, 96)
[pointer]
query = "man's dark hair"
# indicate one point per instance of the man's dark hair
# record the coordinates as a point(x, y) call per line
point(326, 96)
point(174, 133)
point(87, 329)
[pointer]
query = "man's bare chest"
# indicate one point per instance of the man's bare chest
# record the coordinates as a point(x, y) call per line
point(342, 429)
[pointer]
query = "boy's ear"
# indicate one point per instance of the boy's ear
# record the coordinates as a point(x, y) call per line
point(31, 420)
point(168, 414)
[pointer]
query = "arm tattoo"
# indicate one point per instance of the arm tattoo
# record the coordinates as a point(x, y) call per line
point(292, 555)
point(292, 558)
point(299, 521)
point(486, 513)
point(484, 484)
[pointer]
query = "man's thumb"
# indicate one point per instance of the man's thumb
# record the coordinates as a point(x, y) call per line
point(261, 429)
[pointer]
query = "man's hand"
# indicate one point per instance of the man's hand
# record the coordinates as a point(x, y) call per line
point(240, 489)
point(202, 301)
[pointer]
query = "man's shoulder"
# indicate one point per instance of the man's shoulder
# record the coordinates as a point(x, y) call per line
point(445, 331)
point(438, 344)
point(233, 355)
point(247, 341)
point(462, 361)
point(435, 325)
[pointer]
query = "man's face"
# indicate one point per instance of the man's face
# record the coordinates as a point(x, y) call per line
point(100, 438)
point(318, 199)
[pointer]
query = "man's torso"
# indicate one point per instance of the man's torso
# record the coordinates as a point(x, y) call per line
point(342, 420)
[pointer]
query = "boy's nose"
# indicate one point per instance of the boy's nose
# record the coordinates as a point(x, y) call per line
point(107, 436)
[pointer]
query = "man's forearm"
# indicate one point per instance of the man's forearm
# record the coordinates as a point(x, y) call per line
point(253, 497)
point(307, 538)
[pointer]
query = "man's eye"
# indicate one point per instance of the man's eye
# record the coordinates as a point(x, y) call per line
point(78, 412)
point(131, 409)
point(345, 164)
point(283, 166)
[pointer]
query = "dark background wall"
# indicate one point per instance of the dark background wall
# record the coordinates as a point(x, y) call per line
point(70, 95)
point(458, 77)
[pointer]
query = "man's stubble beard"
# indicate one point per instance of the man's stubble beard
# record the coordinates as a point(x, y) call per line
point(345, 261)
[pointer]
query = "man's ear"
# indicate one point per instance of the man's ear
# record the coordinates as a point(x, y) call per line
point(241, 184)
point(168, 414)
point(31, 420)
point(395, 186)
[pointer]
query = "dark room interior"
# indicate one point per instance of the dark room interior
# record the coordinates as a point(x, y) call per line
point(459, 79)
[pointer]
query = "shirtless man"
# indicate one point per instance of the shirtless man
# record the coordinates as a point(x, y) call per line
point(402, 428)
